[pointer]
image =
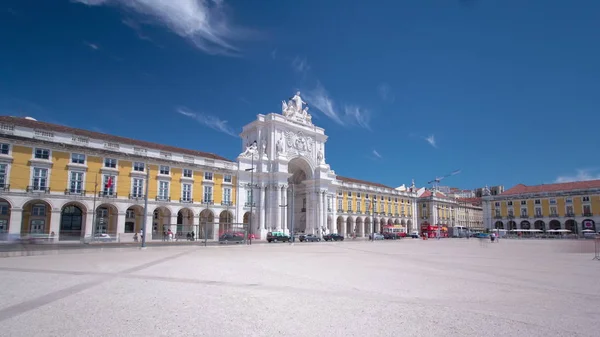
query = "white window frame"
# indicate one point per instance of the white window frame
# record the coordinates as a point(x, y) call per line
point(186, 170)
point(77, 156)
point(227, 200)
point(183, 191)
point(136, 166)
point(32, 177)
point(349, 204)
point(134, 187)
point(35, 150)
point(163, 194)
point(225, 180)
point(164, 168)
point(108, 160)
point(206, 188)
point(70, 188)
point(8, 150)
point(340, 204)
point(113, 188)
point(5, 176)
point(555, 210)
point(208, 176)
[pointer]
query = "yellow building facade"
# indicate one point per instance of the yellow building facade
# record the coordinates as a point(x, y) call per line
point(364, 207)
point(53, 177)
point(574, 207)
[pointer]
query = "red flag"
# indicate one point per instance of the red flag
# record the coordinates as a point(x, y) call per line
point(109, 182)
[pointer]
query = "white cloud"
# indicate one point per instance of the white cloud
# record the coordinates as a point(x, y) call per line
point(300, 64)
point(431, 140)
point(385, 92)
point(352, 115)
point(582, 174)
point(377, 154)
point(212, 122)
point(203, 22)
point(274, 54)
point(91, 45)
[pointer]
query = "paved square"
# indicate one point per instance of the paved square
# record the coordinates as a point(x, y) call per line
point(388, 288)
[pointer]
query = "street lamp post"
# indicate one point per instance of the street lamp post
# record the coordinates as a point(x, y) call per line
point(251, 169)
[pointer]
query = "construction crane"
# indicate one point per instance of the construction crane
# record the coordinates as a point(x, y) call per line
point(435, 182)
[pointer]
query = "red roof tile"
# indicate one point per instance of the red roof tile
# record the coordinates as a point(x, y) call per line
point(105, 137)
point(356, 181)
point(559, 187)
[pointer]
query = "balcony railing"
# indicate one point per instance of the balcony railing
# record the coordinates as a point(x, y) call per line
point(208, 202)
point(586, 214)
point(186, 201)
point(162, 198)
point(5, 187)
point(554, 215)
point(498, 217)
point(226, 203)
point(570, 215)
point(74, 191)
point(539, 215)
point(249, 204)
point(134, 196)
point(103, 194)
point(340, 210)
point(524, 216)
point(38, 189)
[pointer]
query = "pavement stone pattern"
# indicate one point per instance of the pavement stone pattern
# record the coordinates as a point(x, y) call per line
point(408, 287)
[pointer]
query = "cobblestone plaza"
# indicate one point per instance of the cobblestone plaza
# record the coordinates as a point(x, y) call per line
point(388, 288)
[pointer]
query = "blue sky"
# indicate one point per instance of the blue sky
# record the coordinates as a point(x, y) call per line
point(507, 91)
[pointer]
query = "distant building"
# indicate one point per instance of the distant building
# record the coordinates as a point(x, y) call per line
point(494, 190)
point(573, 206)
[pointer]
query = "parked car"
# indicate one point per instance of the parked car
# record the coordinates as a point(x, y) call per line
point(333, 237)
point(277, 236)
point(231, 237)
point(103, 237)
point(414, 235)
point(309, 238)
point(376, 236)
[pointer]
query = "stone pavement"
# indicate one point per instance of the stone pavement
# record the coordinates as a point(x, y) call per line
point(385, 288)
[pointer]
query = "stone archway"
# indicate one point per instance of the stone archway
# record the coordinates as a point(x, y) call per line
point(499, 225)
point(554, 224)
point(350, 226)
point(161, 221)
point(301, 202)
point(588, 225)
point(185, 223)
point(368, 225)
point(72, 222)
point(525, 224)
point(539, 224)
point(340, 224)
point(390, 222)
point(361, 230)
point(225, 222)
point(409, 225)
point(5, 209)
point(207, 221)
point(134, 218)
point(512, 225)
point(571, 225)
point(106, 220)
point(36, 217)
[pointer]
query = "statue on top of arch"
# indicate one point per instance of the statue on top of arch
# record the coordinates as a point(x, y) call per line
point(296, 109)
